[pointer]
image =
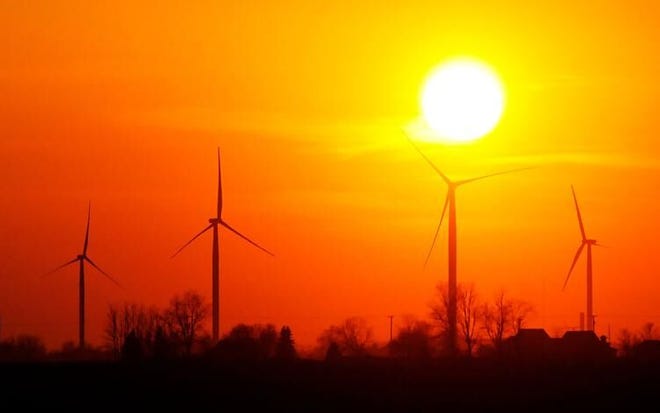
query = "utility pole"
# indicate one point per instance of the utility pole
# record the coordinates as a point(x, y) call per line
point(391, 317)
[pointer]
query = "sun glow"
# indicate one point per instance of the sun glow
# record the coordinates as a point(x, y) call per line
point(462, 101)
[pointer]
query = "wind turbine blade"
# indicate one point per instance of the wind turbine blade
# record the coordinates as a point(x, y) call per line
point(102, 272)
point(219, 188)
point(577, 256)
point(229, 227)
point(89, 212)
point(435, 168)
point(193, 238)
point(61, 266)
point(437, 230)
point(467, 181)
point(577, 208)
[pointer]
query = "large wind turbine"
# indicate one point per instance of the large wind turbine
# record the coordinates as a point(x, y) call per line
point(589, 243)
point(450, 201)
point(215, 271)
point(81, 258)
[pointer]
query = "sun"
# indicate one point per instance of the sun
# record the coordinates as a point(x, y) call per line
point(462, 100)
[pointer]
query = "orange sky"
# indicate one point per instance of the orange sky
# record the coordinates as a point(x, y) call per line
point(124, 103)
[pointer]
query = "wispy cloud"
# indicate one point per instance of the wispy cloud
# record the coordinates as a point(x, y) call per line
point(582, 158)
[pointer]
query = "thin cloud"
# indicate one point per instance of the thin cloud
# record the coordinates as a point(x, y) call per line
point(582, 158)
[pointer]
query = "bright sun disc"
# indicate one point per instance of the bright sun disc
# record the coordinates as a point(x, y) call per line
point(462, 101)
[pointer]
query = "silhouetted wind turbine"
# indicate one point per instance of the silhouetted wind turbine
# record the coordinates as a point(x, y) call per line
point(81, 258)
point(588, 242)
point(450, 201)
point(215, 273)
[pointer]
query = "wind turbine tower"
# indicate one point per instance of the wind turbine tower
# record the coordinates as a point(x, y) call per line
point(81, 259)
point(450, 201)
point(588, 243)
point(214, 223)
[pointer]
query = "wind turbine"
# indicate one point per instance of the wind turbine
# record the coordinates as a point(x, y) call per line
point(215, 270)
point(81, 258)
point(450, 201)
point(589, 243)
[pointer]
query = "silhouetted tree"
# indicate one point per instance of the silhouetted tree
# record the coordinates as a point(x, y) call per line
point(285, 349)
point(353, 336)
point(333, 353)
point(248, 342)
point(205, 343)
point(25, 347)
point(30, 345)
point(185, 317)
point(266, 337)
point(132, 348)
point(131, 317)
point(520, 310)
point(112, 331)
point(68, 347)
point(439, 312)
point(626, 342)
point(503, 318)
point(239, 344)
point(468, 315)
point(496, 318)
point(163, 346)
point(648, 332)
point(413, 341)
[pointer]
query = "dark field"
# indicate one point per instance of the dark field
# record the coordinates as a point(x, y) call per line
point(313, 386)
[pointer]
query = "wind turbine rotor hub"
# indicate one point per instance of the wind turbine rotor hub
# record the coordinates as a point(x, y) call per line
point(214, 221)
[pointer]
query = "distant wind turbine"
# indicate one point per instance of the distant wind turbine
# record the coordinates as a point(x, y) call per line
point(450, 201)
point(81, 258)
point(588, 242)
point(215, 272)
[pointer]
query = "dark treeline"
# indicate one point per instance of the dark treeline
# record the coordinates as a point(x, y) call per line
point(135, 332)
point(162, 358)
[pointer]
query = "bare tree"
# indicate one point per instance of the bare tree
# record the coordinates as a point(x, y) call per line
point(468, 315)
point(647, 332)
point(112, 331)
point(496, 319)
point(24, 347)
point(353, 336)
point(185, 316)
point(505, 316)
point(439, 312)
point(151, 322)
point(626, 341)
point(520, 310)
point(131, 318)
